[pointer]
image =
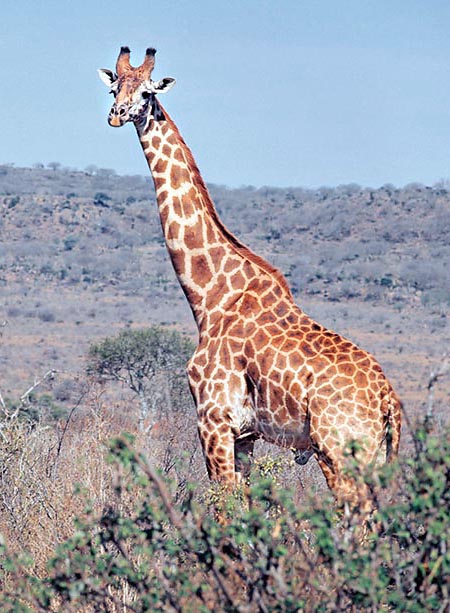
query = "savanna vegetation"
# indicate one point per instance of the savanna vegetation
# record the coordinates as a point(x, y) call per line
point(104, 500)
point(82, 257)
point(98, 515)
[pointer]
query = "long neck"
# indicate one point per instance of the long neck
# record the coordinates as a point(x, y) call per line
point(212, 266)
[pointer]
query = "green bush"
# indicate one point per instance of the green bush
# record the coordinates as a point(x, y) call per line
point(265, 555)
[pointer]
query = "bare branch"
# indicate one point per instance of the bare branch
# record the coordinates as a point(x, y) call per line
point(26, 396)
point(443, 369)
point(48, 375)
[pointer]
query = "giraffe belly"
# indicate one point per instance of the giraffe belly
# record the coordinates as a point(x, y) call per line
point(282, 420)
point(288, 438)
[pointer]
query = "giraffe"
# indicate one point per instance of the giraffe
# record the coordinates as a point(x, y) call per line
point(263, 369)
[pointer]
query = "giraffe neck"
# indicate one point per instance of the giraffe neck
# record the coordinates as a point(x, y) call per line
point(212, 266)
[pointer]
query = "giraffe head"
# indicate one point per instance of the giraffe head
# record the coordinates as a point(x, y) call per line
point(133, 88)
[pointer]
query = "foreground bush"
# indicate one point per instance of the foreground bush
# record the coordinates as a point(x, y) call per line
point(147, 553)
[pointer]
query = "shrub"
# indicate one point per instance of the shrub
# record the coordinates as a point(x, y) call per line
point(70, 242)
point(101, 199)
point(13, 202)
point(265, 555)
point(46, 315)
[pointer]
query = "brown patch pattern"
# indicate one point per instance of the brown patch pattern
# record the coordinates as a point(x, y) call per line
point(262, 367)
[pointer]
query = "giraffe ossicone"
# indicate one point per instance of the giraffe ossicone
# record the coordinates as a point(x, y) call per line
point(262, 368)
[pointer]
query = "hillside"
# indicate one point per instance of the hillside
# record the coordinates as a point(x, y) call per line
point(82, 256)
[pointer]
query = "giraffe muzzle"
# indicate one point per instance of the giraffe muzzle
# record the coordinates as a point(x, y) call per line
point(118, 116)
point(114, 121)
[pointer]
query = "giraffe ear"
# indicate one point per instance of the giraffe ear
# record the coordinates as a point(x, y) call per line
point(162, 86)
point(107, 76)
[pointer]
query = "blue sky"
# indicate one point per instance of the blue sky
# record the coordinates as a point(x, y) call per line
point(293, 92)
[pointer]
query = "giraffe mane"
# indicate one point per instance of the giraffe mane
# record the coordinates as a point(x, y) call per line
point(240, 248)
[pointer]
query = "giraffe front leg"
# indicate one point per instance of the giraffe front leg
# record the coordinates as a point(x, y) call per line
point(243, 453)
point(219, 402)
point(218, 443)
point(224, 461)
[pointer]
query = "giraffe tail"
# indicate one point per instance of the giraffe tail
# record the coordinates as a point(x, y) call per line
point(394, 422)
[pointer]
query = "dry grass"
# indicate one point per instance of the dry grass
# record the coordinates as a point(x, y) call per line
point(43, 465)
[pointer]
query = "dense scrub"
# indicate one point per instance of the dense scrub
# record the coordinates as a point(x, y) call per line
point(93, 520)
point(371, 244)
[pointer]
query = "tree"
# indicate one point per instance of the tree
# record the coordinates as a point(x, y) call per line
point(91, 169)
point(148, 361)
point(100, 199)
point(105, 172)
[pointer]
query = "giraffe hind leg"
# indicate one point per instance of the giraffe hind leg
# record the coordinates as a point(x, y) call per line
point(348, 491)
